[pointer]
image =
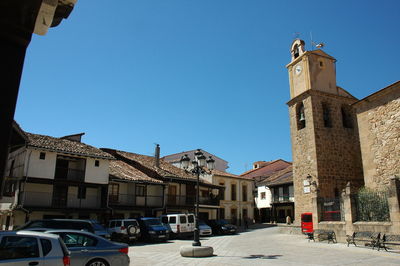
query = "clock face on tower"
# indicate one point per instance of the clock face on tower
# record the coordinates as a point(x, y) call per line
point(298, 69)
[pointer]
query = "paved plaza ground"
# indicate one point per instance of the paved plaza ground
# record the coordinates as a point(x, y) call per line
point(261, 247)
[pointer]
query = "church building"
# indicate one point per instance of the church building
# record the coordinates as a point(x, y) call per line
point(339, 143)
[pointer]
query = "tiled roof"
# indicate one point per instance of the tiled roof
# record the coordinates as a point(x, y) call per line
point(281, 177)
point(176, 157)
point(65, 146)
point(266, 170)
point(226, 174)
point(165, 169)
point(122, 170)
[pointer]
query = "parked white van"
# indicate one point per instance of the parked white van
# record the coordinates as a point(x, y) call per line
point(182, 225)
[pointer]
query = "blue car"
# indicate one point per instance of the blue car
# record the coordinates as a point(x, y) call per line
point(152, 229)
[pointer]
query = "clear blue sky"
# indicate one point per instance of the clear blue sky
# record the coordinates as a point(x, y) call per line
point(191, 74)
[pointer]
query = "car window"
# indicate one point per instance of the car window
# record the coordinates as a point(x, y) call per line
point(164, 219)
point(182, 219)
point(81, 226)
point(37, 224)
point(172, 220)
point(128, 223)
point(112, 224)
point(191, 218)
point(118, 223)
point(16, 247)
point(152, 222)
point(78, 240)
point(98, 227)
point(46, 246)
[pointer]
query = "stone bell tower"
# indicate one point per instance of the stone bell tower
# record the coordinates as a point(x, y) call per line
point(324, 134)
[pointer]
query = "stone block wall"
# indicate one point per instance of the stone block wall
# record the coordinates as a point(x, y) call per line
point(330, 155)
point(304, 155)
point(379, 125)
point(337, 147)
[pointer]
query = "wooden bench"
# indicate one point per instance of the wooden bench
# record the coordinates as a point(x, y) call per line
point(390, 240)
point(322, 235)
point(368, 238)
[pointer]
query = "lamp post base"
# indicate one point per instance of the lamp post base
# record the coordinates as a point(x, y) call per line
point(196, 251)
point(196, 244)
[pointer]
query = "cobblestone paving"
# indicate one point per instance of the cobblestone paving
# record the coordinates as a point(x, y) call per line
point(262, 247)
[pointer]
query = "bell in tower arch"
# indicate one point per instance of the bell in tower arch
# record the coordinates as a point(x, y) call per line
point(297, 48)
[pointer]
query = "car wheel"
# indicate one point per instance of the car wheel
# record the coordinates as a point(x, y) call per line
point(97, 262)
point(131, 230)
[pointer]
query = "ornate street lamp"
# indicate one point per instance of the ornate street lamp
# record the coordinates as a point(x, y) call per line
point(200, 163)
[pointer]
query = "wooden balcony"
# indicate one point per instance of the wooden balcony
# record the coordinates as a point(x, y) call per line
point(134, 200)
point(48, 200)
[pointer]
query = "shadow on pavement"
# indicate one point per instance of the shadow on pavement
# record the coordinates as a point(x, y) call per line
point(265, 257)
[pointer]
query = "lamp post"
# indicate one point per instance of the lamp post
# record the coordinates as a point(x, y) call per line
point(199, 164)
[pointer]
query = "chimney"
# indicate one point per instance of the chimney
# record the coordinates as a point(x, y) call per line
point(157, 155)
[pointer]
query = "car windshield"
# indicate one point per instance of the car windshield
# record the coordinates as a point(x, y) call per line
point(222, 222)
point(152, 222)
point(202, 223)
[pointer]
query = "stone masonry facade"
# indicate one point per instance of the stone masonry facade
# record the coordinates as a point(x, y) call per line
point(379, 126)
point(330, 155)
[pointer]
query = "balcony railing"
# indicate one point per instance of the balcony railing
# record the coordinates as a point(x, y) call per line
point(133, 200)
point(69, 174)
point(46, 199)
point(190, 200)
point(282, 199)
point(208, 201)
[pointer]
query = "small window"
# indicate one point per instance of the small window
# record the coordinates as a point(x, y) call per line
point(262, 195)
point(172, 220)
point(346, 117)
point(118, 223)
point(81, 192)
point(46, 246)
point(96, 163)
point(233, 192)
point(140, 190)
point(182, 219)
point(18, 247)
point(321, 64)
point(42, 156)
point(326, 114)
point(191, 218)
point(244, 193)
point(222, 191)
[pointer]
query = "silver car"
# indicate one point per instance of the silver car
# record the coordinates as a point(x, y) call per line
point(205, 230)
point(88, 249)
point(32, 248)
